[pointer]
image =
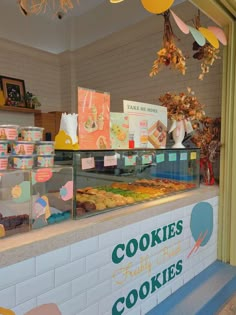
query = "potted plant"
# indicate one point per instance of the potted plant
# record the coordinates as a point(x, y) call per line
point(182, 110)
point(206, 136)
point(31, 100)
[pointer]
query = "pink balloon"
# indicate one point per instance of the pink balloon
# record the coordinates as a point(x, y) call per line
point(182, 26)
point(45, 309)
point(219, 33)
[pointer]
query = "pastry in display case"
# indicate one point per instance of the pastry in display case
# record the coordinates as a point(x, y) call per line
point(15, 202)
point(110, 179)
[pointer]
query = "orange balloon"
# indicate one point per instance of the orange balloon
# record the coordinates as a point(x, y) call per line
point(157, 6)
point(210, 36)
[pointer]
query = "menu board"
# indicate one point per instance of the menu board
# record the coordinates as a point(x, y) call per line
point(147, 124)
point(93, 119)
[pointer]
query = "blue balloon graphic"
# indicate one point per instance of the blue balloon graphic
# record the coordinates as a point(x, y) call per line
point(201, 222)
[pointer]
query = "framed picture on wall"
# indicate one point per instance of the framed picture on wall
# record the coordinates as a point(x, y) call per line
point(13, 90)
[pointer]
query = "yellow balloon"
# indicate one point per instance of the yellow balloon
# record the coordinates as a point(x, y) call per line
point(157, 6)
point(210, 36)
point(6, 311)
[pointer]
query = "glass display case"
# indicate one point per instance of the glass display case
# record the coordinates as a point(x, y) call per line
point(52, 195)
point(35, 198)
point(15, 202)
point(110, 179)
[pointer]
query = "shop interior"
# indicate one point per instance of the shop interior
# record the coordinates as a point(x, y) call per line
point(54, 54)
point(118, 63)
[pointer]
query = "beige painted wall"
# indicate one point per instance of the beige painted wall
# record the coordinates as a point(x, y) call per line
point(40, 70)
point(119, 63)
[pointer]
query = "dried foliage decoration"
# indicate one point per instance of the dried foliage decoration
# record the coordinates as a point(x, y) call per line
point(170, 54)
point(182, 106)
point(207, 53)
point(206, 136)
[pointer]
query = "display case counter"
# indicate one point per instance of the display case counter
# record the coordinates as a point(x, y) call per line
point(106, 180)
point(23, 246)
point(118, 262)
point(114, 261)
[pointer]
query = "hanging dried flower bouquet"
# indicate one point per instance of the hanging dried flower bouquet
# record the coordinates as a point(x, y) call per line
point(170, 54)
point(207, 54)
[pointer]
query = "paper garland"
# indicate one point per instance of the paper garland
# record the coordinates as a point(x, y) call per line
point(212, 34)
point(219, 33)
point(198, 37)
point(209, 35)
point(180, 23)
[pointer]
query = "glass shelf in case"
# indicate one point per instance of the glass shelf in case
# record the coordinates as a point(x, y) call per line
point(15, 202)
point(110, 179)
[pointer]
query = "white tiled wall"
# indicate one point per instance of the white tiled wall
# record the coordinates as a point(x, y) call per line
point(78, 278)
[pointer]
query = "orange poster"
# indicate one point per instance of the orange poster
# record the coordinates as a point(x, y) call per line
point(93, 119)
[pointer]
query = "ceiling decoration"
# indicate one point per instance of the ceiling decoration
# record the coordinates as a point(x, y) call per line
point(206, 40)
point(116, 1)
point(169, 54)
point(29, 7)
point(157, 6)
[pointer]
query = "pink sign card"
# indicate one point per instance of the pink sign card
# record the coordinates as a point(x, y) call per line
point(88, 163)
point(93, 119)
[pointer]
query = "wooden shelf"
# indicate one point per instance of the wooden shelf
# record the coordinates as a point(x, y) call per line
point(20, 109)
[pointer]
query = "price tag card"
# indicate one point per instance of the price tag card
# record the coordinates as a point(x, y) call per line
point(160, 158)
point(172, 157)
point(193, 155)
point(183, 156)
point(88, 163)
point(146, 159)
point(130, 160)
point(110, 160)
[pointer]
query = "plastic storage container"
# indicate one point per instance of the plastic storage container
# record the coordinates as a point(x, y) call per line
point(22, 148)
point(22, 162)
point(9, 132)
point(44, 160)
point(3, 162)
point(3, 147)
point(45, 148)
point(31, 133)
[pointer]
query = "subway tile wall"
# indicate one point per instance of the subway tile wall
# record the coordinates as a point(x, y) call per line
point(82, 279)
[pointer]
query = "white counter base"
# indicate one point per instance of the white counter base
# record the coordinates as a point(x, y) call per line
point(71, 263)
